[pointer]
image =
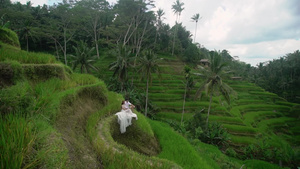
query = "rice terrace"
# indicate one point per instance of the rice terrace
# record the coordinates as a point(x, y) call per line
point(66, 69)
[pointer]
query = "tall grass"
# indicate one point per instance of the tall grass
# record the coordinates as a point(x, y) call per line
point(16, 98)
point(10, 53)
point(84, 79)
point(51, 151)
point(176, 148)
point(16, 140)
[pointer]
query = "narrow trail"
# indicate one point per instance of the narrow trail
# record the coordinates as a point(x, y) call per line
point(72, 125)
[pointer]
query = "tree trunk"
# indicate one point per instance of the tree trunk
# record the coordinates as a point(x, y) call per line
point(184, 97)
point(147, 95)
point(65, 47)
point(195, 32)
point(175, 31)
point(210, 100)
point(56, 48)
point(27, 42)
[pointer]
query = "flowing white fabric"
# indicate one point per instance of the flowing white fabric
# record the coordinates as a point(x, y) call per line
point(124, 119)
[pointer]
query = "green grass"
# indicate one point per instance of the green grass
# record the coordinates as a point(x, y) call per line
point(248, 101)
point(114, 155)
point(16, 140)
point(51, 151)
point(26, 57)
point(263, 107)
point(176, 148)
point(9, 37)
point(281, 121)
point(258, 164)
point(214, 157)
point(266, 94)
point(226, 119)
point(251, 118)
point(240, 129)
point(164, 96)
point(243, 140)
point(83, 79)
point(179, 104)
point(175, 116)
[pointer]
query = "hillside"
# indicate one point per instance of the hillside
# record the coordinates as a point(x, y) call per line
point(52, 117)
point(260, 124)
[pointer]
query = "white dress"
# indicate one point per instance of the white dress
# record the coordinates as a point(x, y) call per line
point(124, 118)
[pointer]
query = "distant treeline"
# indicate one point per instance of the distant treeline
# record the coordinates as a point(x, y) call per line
point(280, 76)
point(57, 29)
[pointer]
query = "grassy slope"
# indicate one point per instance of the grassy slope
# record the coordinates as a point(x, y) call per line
point(52, 146)
point(65, 122)
point(253, 114)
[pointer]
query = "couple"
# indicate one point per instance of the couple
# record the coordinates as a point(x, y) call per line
point(125, 115)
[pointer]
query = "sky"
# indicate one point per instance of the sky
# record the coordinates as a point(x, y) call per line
point(254, 30)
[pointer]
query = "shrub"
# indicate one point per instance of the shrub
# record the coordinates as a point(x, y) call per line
point(17, 98)
point(231, 152)
point(36, 72)
point(10, 37)
point(215, 134)
point(10, 73)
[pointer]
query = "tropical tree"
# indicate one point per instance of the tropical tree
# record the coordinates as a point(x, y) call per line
point(92, 14)
point(122, 65)
point(213, 83)
point(148, 64)
point(195, 18)
point(189, 83)
point(159, 14)
point(83, 57)
point(63, 22)
point(177, 8)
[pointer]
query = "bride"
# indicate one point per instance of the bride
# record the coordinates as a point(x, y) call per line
point(125, 116)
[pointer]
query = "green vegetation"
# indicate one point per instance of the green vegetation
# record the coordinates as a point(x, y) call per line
point(55, 117)
point(16, 141)
point(176, 148)
point(9, 37)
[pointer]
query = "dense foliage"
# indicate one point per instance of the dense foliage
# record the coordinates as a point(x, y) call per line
point(56, 29)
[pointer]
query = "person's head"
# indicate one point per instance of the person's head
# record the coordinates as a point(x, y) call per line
point(123, 102)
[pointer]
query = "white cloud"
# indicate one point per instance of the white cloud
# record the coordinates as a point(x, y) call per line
point(33, 2)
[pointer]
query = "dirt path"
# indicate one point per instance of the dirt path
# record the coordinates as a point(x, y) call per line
point(72, 125)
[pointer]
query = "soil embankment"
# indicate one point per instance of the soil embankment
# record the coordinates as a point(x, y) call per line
point(71, 123)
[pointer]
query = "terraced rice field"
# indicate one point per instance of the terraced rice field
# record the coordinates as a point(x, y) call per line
point(254, 114)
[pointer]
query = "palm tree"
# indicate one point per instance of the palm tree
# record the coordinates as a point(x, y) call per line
point(196, 18)
point(122, 64)
point(189, 83)
point(160, 14)
point(83, 57)
point(177, 9)
point(213, 81)
point(148, 63)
